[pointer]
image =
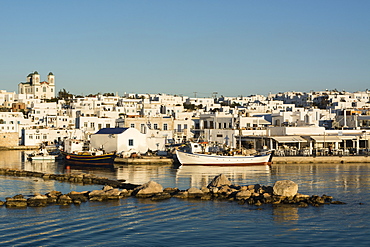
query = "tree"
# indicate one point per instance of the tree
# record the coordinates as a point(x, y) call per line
point(108, 94)
point(64, 94)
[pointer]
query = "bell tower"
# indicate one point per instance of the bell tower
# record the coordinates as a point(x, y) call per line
point(51, 79)
point(35, 80)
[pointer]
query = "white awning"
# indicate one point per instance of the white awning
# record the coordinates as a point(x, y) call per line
point(288, 139)
point(348, 137)
point(326, 138)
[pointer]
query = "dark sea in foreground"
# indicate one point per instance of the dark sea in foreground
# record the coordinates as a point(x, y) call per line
point(177, 222)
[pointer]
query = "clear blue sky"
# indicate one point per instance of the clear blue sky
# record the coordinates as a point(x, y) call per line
point(181, 47)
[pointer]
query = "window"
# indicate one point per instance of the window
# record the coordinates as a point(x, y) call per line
point(130, 142)
point(155, 126)
point(107, 126)
point(44, 89)
point(185, 126)
point(219, 135)
point(165, 126)
point(142, 128)
point(92, 125)
point(132, 125)
point(31, 136)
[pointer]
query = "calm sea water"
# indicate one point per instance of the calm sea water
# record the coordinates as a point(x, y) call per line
point(176, 222)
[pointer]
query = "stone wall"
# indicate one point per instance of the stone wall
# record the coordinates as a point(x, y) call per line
point(9, 139)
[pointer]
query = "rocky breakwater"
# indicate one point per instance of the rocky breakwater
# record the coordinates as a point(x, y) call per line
point(72, 178)
point(220, 188)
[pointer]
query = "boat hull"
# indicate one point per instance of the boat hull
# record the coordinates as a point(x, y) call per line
point(46, 157)
point(89, 160)
point(217, 160)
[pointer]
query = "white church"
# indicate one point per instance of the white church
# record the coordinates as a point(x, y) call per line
point(37, 89)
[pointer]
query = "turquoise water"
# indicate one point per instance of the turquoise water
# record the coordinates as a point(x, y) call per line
point(141, 222)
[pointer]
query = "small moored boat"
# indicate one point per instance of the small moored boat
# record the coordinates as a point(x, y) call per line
point(43, 154)
point(89, 158)
point(193, 156)
point(219, 160)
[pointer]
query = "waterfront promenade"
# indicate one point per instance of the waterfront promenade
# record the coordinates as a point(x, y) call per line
point(320, 159)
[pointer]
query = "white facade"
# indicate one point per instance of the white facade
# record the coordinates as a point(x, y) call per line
point(119, 140)
point(6, 98)
point(36, 88)
point(35, 137)
point(94, 124)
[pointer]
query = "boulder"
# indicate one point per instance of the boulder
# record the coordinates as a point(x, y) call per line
point(64, 200)
point(16, 201)
point(125, 193)
point(107, 187)
point(78, 196)
point(113, 194)
point(38, 201)
point(97, 195)
point(148, 189)
point(161, 196)
point(224, 189)
point(171, 190)
point(204, 189)
point(285, 188)
point(182, 194)
point(194, 192)
point(243, 194)
point(219, 180)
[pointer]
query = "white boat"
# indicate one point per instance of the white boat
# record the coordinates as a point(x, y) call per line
point(220, 160)
point(41, 155)
point(198, 175)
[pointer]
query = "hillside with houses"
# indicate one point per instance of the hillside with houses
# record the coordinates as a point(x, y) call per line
point(292, 123)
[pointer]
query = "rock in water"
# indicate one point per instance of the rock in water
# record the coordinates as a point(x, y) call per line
point(219, 180)
point(285, 188)
point(149, 188)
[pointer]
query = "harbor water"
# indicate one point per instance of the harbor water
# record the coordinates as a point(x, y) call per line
point(178, 222)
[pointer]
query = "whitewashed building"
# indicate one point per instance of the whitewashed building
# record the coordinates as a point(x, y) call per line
point(119, 140)
point(36, 88)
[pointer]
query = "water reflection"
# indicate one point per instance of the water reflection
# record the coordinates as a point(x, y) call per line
point(202, 175)
point(139, 174)
point(285, 213)
point(311, 178)
point(11, 159)
point(315, 177)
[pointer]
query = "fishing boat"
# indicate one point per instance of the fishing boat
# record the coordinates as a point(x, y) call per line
point(93, 158)
point(205, 159)
point(78, 152)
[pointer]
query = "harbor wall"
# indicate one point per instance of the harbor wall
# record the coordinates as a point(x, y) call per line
point(319, 159)
point(9, 139)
